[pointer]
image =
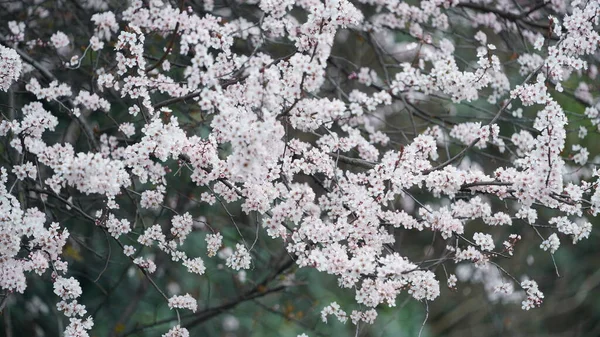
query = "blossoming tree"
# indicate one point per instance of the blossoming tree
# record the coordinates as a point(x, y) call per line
point(323, 131)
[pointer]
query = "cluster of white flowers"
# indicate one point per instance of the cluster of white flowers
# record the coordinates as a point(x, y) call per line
point(213, 243)
point(578, 230)
point(534, 297)
point(59, 40)
point(68, 289)
point(485, 241)
point(146, 264)
point(240, 259)
point(452, 280)
point(117, 227)
point(10, 67)
point(181, 226)
point(52, 92)
point(183, 302)
point(367, 316)
point(195, 266)
point(333, 309)
point(91, 101)
point(105, 25)
point(177, 331)
point(551, 244)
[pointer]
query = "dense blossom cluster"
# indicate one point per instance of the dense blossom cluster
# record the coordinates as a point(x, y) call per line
point(183, 302)
point(10, 67)
point(321, 171)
